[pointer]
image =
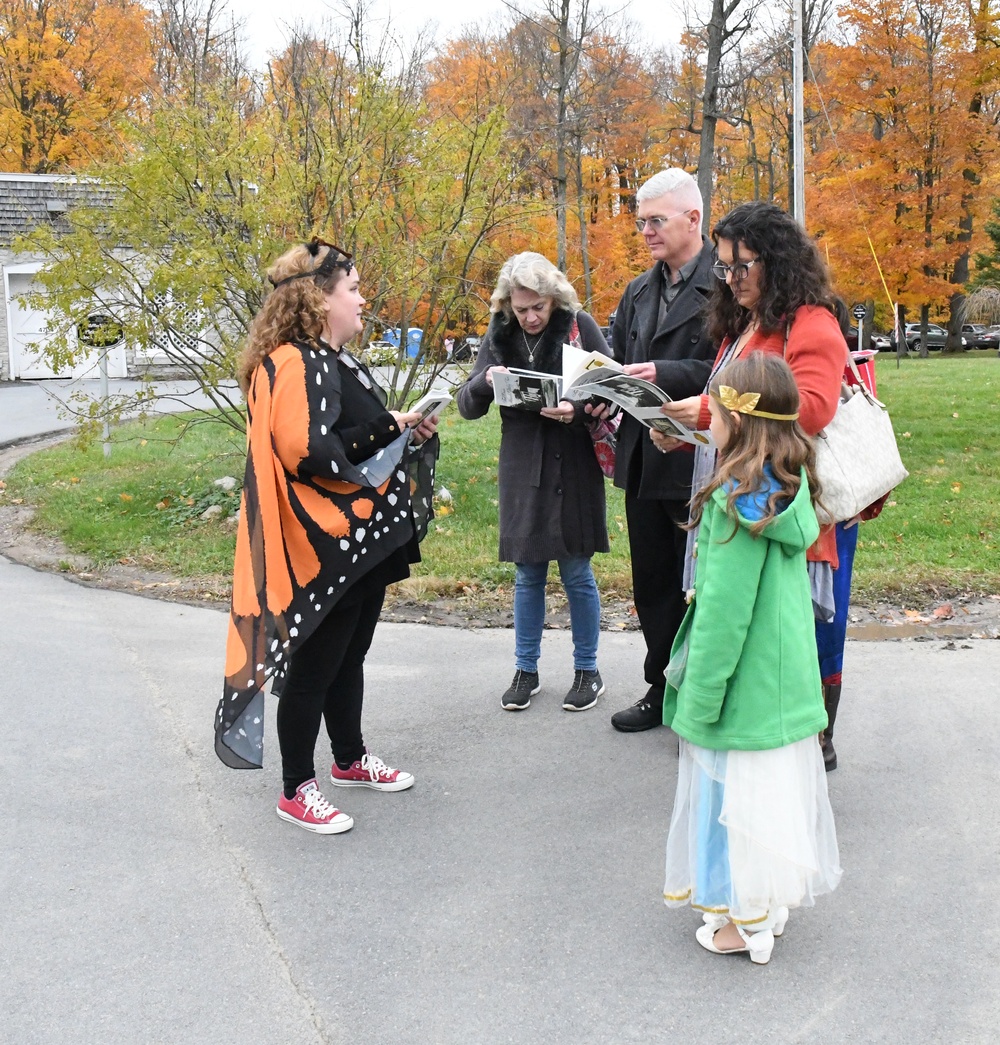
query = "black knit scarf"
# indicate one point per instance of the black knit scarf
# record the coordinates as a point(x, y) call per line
point(509, 349)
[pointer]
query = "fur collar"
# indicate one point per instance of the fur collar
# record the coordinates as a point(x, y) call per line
point(509, 349)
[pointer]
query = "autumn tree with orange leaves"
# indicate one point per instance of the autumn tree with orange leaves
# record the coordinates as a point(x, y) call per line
point(911, 138)
point(68, 70)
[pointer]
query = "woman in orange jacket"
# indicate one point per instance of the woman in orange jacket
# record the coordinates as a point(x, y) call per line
point(774, 296)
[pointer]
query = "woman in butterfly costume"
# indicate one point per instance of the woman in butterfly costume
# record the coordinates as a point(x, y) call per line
point(326, 523)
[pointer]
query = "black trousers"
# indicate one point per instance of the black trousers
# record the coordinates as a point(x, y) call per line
point(657, 543)
point(326, 680)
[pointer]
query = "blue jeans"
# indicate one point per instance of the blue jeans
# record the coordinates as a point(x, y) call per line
point(529, 611)
point(830, 638)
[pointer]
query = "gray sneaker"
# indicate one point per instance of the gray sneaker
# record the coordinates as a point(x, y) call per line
point(587, 687)
point(522, 689)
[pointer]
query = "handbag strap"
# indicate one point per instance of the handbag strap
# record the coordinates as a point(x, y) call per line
point(865, 390)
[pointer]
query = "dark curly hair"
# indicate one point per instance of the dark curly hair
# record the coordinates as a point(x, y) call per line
point(793, 272)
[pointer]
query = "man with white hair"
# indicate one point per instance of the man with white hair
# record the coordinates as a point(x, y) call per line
point(659, 334)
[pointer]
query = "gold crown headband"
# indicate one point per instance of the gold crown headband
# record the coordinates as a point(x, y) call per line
point(747, 403)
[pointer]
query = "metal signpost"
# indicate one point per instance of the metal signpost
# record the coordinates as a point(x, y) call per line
point(859, 312)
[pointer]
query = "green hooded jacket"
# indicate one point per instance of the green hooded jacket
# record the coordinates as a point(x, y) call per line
point(751, 679)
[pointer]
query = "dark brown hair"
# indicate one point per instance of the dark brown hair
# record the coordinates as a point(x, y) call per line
point(792, 271)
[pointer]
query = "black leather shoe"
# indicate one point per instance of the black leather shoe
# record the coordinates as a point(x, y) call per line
point(646, 713)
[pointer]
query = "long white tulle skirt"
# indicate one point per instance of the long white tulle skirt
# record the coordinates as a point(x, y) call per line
point(751, 831)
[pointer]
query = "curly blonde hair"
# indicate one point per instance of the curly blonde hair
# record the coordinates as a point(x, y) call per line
point(292, 311)
point(534, 272)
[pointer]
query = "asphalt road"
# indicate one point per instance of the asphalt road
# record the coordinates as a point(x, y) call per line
point(148, 894)
point(29, 409)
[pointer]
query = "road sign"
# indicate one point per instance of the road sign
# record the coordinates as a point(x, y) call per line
point(859, 312)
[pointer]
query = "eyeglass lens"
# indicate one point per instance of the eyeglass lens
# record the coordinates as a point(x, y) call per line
point(657, 223)
point(740, 270)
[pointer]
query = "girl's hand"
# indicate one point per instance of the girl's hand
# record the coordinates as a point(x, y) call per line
point(646, 371)
point(687, 411)
point(489, 373)
point(564, 412)
point(664, 443)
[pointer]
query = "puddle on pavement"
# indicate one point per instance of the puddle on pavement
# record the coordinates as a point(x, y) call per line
point(873, 631)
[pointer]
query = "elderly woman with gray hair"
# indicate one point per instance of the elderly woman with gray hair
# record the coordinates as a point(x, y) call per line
point(551, 488)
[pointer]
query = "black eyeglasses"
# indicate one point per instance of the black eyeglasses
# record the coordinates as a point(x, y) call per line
point(738, 271)
point(336, 258)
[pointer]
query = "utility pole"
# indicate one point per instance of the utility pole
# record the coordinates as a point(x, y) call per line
point(798, 119)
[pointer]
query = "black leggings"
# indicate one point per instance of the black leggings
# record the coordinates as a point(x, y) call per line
point(326, 680)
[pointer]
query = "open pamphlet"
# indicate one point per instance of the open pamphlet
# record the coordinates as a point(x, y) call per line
point(587, 375)
point(533, 390)
point(431, 404)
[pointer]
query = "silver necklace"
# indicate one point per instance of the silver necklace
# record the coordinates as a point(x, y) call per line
point(531, 349)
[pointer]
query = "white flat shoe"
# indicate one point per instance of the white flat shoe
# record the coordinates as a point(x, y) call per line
point(757, 945)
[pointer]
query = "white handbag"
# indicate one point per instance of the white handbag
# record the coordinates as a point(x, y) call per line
point(857, 459)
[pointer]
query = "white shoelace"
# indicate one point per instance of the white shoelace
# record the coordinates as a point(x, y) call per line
point(375, 766)
point(316, 803)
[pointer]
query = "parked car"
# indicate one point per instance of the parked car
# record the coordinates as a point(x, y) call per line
point(936, 337)
point(879, 341)
point(978, 335)
point(975, 335)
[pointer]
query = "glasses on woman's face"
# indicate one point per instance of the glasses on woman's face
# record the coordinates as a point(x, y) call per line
point(657, 223)
point(738, 271)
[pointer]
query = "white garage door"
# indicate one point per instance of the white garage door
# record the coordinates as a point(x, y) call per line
point(26, 326)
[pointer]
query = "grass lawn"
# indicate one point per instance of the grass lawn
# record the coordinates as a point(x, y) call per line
point(141, 507)
point(940, 533)
point(937, 536)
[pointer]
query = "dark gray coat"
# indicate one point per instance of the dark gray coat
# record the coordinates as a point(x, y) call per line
point(683, 354)
point(551, 490)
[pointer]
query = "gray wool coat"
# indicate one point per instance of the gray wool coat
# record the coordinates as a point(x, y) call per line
point(551, 489)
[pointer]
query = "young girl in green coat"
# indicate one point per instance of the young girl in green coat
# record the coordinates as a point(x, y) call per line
point(752, 831)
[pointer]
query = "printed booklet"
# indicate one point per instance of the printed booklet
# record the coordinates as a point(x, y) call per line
point(586, 375)
point(431, 404)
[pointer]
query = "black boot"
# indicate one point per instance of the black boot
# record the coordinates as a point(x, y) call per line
point(831, 698)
